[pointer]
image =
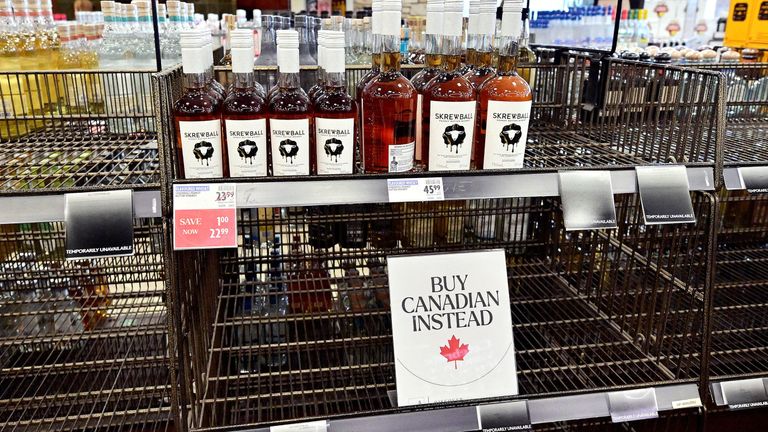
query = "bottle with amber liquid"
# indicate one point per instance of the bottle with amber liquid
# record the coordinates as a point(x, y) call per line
point(335, 113)
point(525, 55)
point(290, 113)
point(483, 70)
point(245, 113)
point(432, 61)
point(375, 39)
point(473, 29)
point(389, 105)
point(504, 103)
point(197, 115)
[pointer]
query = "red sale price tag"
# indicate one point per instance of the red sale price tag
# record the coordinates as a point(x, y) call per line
point(204, 216)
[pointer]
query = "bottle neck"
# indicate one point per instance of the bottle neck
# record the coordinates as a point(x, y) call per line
point(335, 80)
point(244, 80)
point(288, 80)
point(508, 55)
point(390, 53)
point(483, 50)
point(194, 81)
point(451, 53)
point(525, 35)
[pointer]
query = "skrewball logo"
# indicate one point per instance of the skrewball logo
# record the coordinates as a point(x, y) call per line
point(203, 152)
point(333, 148)
point(510, 136)
point(247, 150)
point(289, 149)
point(453, 136)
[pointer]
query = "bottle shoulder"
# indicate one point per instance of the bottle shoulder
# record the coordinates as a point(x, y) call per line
point(391, 85)
point(450, 86)
point(339, 101)
point(423, 77)
point(196, 102)
point(506, 87)
point(243, 102)
point(290, 101)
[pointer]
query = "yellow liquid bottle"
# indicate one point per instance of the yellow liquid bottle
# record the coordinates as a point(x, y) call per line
point(11, 88)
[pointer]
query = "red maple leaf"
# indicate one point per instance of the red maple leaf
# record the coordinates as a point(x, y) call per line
point(454, 351)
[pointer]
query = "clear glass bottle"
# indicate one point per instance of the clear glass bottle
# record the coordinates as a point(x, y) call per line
point(389, 105)
point(504, 103)
point(171, 53)
point(197, 114)
point(319, 86)
point(374, 43)
point(335, 113)
point(276, 306)
point(244, 113)
point(525, 55)
point(11, 87)
point(302, 25)
point(432, 66)
point(483, 56)
point(268, 53)
point(290, 113)
point(449, 107)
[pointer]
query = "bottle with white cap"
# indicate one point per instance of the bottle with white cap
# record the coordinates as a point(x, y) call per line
point(473, 31)
point(257, 32)
point(432, 62)
point(144, 48)
point(505, 102)
point(335, 112)
point(319, 87)
point(171, 51)
point(244, 112)
point(290, 113)
point(197, 114)
point(303, 25)
point(375, 39)
point(483, 56)
point(389, 104)
point(449, 108)
point(213, 85)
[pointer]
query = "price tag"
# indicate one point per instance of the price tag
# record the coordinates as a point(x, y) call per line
point(204, 216)
point(664, 194)
point(314, 426)
point(587, 198)
point(743, 394)
point(504, 417)
point(99, 224)
point(632, 405)
point(417, 189)
point(754, 179)
point(686, 403)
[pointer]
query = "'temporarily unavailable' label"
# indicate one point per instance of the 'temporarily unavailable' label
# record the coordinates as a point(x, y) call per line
point(451, 134)
point(400, 157)
point(335, 143)
point(201, 149)
point(247, 147)
point(506, 132)
point(290, 147)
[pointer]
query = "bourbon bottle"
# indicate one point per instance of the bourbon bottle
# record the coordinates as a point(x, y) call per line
point(290, 113)
point(389, 105)
point(432, 61)
point(448, 116)
point(245, 113)
point(197, 115)
point(505, 103)
point(483, 56)
point(473, 29)
point(335, 113)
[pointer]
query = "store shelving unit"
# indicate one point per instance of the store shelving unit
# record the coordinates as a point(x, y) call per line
point(83, 343)
point(593, 311)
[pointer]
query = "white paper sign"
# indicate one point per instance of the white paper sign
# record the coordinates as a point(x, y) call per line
point(315, 426)
point(416, 189)
point(452, 327)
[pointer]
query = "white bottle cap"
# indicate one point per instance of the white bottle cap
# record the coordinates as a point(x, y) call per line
point(107, 6)
point(512, 18)
point(487, 23)
point(257, 17)
point(321, 38)
point(434, 17)
point(334, 52)
point(452, 17)
point(473, 24)
point(288, 51)
point(390, 17)
point(376, 26)
point(241, 45)
point(213, 17)
point(192, 60)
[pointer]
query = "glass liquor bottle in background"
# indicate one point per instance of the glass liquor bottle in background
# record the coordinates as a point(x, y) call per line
point(525, 55)
point(374, 39)
point(473, 29)
point(335, 111)
point(276, 306)
point(319, 86)
point(483, 56)
point(74, 99)
point(389, 105)
point(290, 112)
point(352, 234)
point(302, 25)
point(432, 62)
point(171, 53)
point(504, 103)
point(230, 25)
point(213, 85)
point(244, 113)
point(197, 114)
point(268, 49)
point(448, 111)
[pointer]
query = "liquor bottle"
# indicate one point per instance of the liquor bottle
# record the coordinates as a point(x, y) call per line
point(74, 99)
point(319, 86)
point(389, 105)
point(354, 299)
point(352, 234)
point(276, 306)
point(473, 30)
point(230, 25)
point(322, 234)
point(171, 53)
point(449, 107)
point(335, 112)
point(197, 114)
point(12, 88)
point(505, 103)
point(303, 26)
point(373, 41)
point(309, 287)
point(290, 112)
point(244, 113)
point(210, 75)
point(432, 62)
point(483, 56)
point(268, 49)
point(525, 55)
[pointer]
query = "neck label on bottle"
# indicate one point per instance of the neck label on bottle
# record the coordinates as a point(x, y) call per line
point(335, 143)
point(290, 147)
point(451, 133)
point(506, 132)
point(400, 157)
point(247, 147)
point(201, 148)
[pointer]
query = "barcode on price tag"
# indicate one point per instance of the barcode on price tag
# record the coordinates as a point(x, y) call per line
point(204, 216)
point(416, 189)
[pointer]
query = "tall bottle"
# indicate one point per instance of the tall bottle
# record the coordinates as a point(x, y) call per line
point(483, 70)
point(11, 87)
point(504, 103)
point(525, 55)
point(197, 114)
point(335, 113)
point(389, 105)
point(473, 29)
point(432, 62)
point(319, 86)
point(244, 112)
point(171, 53)
point(448, 116)
point(290, 113)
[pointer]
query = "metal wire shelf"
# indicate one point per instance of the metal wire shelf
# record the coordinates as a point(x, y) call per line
point(591, 311)
point(76, 130)
point(82, 343)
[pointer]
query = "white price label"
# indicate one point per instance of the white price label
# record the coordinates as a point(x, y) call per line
point(416, 189)
point(686, 403)
point(315, 426)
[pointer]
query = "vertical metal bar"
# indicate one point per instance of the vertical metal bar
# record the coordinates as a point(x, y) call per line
point(156, 36)
point(616, 24)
